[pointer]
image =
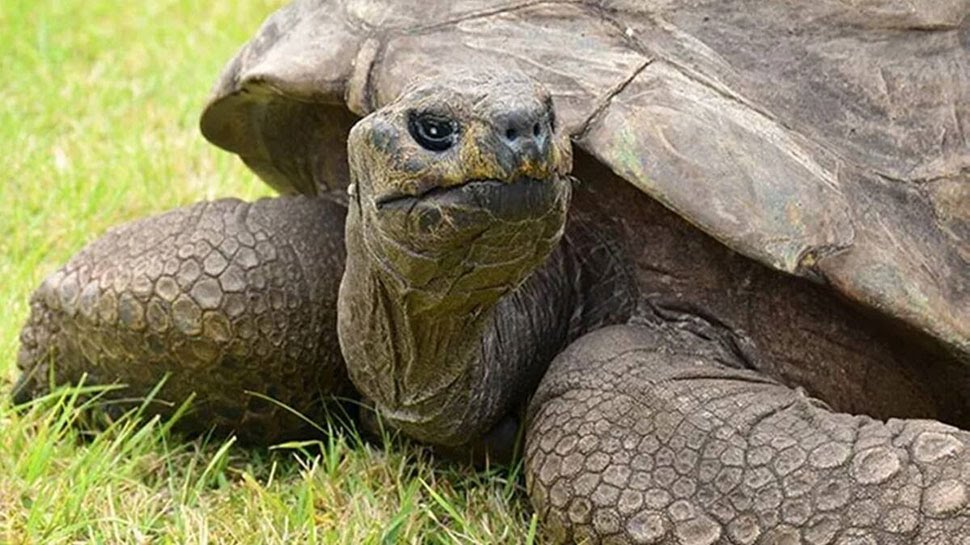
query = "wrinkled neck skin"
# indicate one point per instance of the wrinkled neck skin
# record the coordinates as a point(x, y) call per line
point(443, 351)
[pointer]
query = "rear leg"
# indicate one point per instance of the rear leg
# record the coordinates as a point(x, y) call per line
point(639, 435)
point(223, 297)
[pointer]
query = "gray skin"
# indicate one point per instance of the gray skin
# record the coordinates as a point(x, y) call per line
point(665, 384)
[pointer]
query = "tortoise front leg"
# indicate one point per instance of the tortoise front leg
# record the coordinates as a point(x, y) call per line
point(639, 436)
point(222, 297)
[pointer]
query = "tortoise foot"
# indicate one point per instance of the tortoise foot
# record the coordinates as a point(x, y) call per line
point(638, 436)
point(222, 299)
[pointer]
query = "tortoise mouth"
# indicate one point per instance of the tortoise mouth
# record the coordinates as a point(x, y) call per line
point(521, 199)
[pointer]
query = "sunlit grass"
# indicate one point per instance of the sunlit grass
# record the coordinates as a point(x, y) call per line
point(100, 102)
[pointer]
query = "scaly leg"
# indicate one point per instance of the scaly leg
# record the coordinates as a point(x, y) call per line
point(638, 435)
point(223, 298)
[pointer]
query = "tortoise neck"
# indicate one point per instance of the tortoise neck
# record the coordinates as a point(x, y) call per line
point(444, 369)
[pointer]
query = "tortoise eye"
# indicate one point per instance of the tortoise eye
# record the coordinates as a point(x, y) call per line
point(432, 132)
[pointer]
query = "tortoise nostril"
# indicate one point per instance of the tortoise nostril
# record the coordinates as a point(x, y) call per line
point(523, 131)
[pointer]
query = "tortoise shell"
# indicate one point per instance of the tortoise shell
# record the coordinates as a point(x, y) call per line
point(826, 139)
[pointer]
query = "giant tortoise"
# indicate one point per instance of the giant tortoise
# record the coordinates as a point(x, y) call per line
point(710, 256)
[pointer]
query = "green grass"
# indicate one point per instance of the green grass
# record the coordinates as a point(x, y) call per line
point(98, 126)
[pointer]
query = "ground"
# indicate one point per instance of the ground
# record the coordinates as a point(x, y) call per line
point(99, 126)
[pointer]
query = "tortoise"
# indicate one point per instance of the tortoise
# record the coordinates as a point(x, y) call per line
point(708, 257)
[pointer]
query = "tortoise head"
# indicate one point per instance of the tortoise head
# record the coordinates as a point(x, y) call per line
point(465, 174)
point(459, 192)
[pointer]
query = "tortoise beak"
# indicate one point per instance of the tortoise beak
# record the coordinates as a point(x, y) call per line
point(521, 199)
